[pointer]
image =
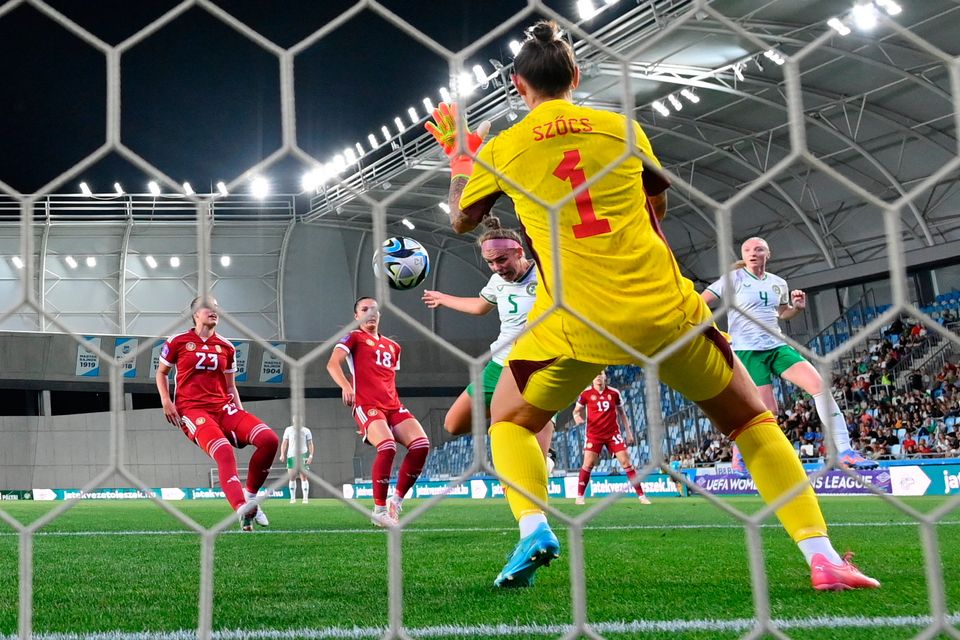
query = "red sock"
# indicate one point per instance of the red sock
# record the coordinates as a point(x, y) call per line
point(632, 477)
point(267, 443)
point(583, 482)
point(382, 466)
point(222, 453)
point(412, 465)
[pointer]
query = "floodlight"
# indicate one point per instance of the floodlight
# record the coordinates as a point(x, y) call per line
point(259, 187)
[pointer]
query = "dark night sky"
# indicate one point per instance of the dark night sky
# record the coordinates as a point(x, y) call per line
point(200, 101)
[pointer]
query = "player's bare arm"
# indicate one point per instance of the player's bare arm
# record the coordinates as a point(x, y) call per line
point(798, 302)
point(335, 369)
point(310, 453)
point(476, 306)
point(577, 416)
point(163, 386)
point(627, 427)
point(709, 298)
point(464, 220)
point(231, 382)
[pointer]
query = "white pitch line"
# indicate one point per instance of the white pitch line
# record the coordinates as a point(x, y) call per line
point(377, 531)
point(507, 630)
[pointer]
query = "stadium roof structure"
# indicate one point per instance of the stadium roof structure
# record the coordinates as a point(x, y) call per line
point(876, 107)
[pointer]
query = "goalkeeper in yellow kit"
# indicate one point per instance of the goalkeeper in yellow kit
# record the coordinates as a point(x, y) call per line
point(617, 273)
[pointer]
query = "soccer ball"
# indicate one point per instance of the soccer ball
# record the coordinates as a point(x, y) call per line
point(404, 260)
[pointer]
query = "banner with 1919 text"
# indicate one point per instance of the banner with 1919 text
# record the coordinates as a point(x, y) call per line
point(88, 362)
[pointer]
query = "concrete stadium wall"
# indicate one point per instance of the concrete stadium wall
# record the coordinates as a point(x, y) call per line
point(69, 451)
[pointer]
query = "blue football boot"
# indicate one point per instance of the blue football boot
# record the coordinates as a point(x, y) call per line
point(536, 550)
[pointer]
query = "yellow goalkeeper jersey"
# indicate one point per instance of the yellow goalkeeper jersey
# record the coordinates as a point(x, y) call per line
point(616, 267)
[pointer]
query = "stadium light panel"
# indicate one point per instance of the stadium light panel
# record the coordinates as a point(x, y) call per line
point(864, 16)
point(117, 188)
point(675, 102)
point(187, 189)
point(775, 56)
point(465, 83)
point(479, 74)
point(153, 188)
point(359, 148)
point(372, 139)
point(837, 25)
point(408, 224)
point(891, 7)
point(85, 190)
point(661, 108)
point(349, 155)
point(399, 124)
point(445, 95)
point(515, 47)
point(224, 261)
point(586, 9)
point(690, 96)
point(151, 262)
point(222, 188)
point(412, 113)
point(386, 133)
point(339, 163)
point(17, 262)
point(259, 187)
point(71, 262)
point(310, 180)
point(428, 106)
point(91, 261)
point(174, 261)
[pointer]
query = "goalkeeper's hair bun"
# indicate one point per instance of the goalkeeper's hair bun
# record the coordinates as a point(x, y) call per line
point(545, 31)
point(545, 60)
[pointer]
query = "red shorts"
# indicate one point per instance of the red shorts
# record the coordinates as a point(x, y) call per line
point(365, 416)
point(614, 444)
point(205, 427)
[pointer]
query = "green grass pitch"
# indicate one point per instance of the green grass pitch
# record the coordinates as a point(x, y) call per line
point(322, 567)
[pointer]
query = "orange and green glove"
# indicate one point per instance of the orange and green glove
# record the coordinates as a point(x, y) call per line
point(444, 130)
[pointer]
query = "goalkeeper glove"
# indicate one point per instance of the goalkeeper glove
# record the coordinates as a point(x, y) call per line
point(444, 130)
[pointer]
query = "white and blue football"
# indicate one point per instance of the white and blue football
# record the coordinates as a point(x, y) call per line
point(404, 261)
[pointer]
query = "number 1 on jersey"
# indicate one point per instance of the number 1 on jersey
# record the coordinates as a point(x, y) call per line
point(568, 170)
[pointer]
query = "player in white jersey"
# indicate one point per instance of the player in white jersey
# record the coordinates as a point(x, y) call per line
point(297, 444)
point(511, 290)
point(767, 298)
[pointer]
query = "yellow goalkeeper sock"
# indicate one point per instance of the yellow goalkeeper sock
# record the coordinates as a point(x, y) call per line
point(775, 468)
point(518, 460)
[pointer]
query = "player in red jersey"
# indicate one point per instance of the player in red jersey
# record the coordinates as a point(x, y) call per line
point(208, 410)
point(382, 420)
point(603, 407)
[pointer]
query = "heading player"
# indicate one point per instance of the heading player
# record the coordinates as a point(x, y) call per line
point(604, 406)
point(608, 234)
point(511, 290)
point(208, 409)
point(297, 444)
point(381, 419)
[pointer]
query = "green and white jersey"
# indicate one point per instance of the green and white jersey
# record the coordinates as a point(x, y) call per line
point(761, 298)
point(297, 446)
point(513, 301)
